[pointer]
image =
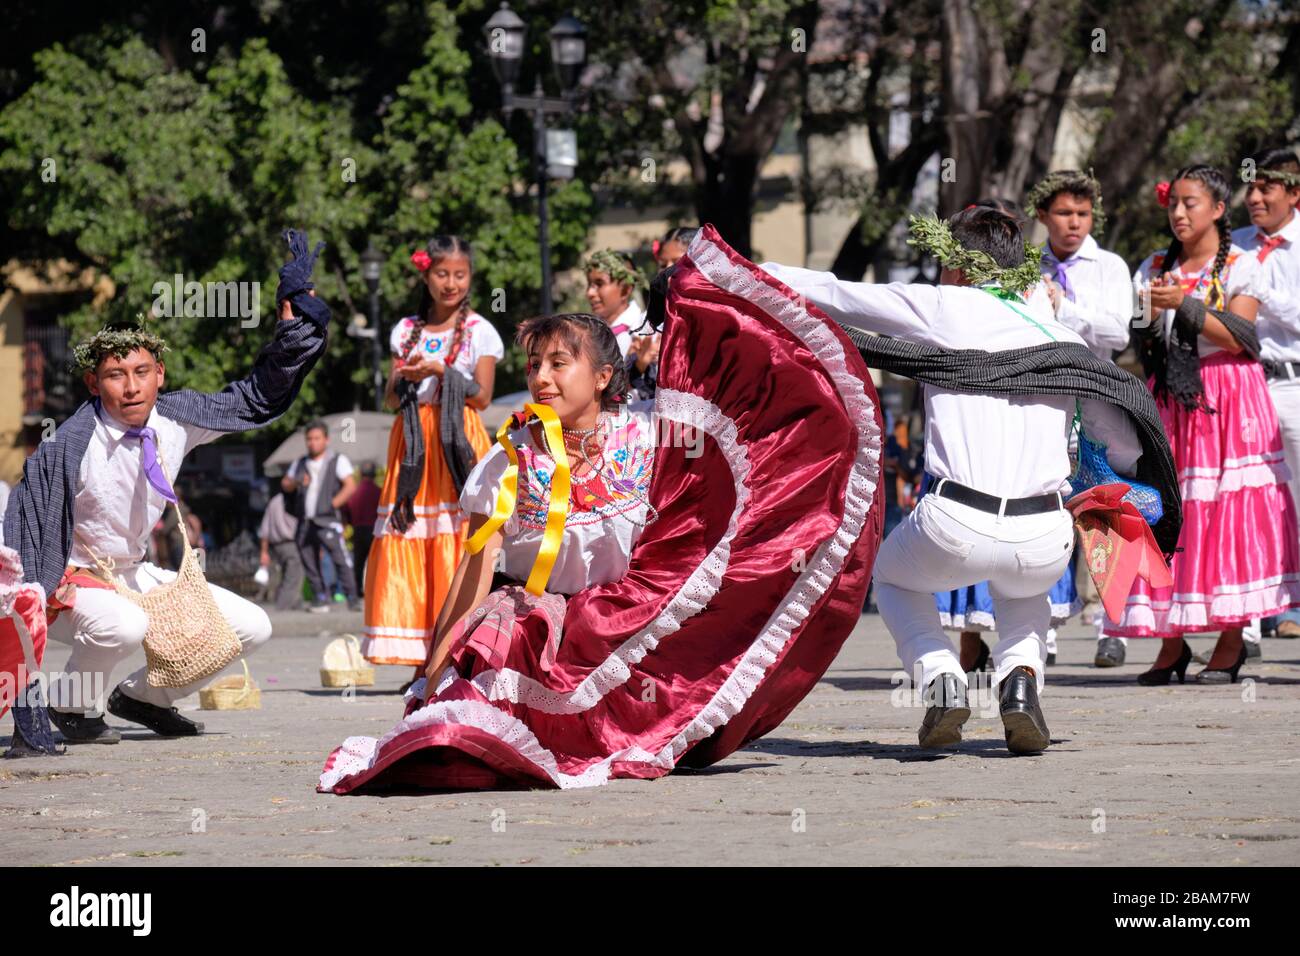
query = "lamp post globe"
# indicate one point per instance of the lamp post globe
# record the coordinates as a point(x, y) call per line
point(505, 33)
point(372, 266)
point(568, 51)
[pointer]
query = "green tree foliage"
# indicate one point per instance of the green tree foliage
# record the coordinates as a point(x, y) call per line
point(165, 167)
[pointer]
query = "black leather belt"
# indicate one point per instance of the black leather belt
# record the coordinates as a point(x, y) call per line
point(1282, 370)
point(1015, 507)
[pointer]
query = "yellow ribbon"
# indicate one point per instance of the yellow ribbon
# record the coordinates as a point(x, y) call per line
point(507, 497)
point(1216, 289)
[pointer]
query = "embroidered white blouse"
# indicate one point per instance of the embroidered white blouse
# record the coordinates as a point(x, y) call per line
point(606, 512)
point(481, 339)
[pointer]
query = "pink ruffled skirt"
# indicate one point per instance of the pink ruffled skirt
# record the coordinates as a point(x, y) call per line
point(1240, 550)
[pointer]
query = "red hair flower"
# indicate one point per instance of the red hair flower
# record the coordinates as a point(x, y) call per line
point(1162, 194)
point(421, 259)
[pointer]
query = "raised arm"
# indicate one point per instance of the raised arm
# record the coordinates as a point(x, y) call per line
point(267, 391)
point(899, 309)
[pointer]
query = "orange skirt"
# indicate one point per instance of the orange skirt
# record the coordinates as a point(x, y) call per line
point(408, 576)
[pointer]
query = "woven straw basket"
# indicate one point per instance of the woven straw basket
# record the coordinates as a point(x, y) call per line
point(188, 637)
point(231, 693)
point(343, 665)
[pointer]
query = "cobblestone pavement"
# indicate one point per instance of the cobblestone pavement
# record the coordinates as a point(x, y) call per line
point(1185, 775)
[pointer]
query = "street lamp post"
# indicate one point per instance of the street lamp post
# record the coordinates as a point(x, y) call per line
point(555, 151)
point(372, 264)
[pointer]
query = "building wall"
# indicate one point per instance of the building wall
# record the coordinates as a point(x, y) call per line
point(778, 232)
point(12, 452)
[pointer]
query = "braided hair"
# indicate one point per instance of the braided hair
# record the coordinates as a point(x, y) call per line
point(586, 335)
point(1220, 190)
point(1175, 365)
point(441, 246)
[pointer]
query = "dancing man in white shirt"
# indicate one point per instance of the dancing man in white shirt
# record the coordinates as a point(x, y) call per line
point(995, 511)
point(1091, 292)
point(90, 497)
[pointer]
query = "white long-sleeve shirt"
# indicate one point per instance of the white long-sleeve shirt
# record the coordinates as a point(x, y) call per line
point(1278, 289)
point(1103, 298)
point(115, 508)
point(1012, 447)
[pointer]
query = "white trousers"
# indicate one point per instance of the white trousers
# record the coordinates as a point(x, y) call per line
point(105, 629)
point(1286, 399)
point(944, 545)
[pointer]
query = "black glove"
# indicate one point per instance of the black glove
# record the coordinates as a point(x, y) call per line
point(295, 279)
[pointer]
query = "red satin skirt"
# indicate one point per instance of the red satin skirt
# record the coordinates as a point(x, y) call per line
point(737, 598)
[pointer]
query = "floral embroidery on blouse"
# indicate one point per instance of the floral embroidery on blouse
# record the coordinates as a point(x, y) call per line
point(1198, 286)
point(621, 487)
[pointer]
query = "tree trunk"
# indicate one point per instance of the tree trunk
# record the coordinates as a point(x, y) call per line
point(726, 199)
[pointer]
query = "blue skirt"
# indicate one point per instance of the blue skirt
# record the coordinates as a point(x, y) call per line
point(971, 608)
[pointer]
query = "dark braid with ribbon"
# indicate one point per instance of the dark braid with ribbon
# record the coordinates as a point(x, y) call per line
point(1175, 364)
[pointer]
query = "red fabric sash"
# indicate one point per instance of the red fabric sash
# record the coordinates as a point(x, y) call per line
point(65, 595)
point(1116, 545)
point(21, 606)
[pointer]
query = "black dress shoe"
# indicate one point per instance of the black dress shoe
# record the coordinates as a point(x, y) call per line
point(1215, 675)
point(163, 721)
point(1022, 718)
point(80, 729)
point(1051, 657)
point(947, 710)
point(1110, 652)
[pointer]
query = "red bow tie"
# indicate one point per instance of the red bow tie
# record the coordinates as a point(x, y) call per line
point(1267, 244)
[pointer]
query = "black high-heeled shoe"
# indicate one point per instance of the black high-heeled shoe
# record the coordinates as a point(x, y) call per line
point(1222, 675)
point(1159, 676)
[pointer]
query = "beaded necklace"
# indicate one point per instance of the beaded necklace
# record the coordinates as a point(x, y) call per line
point(601, 431)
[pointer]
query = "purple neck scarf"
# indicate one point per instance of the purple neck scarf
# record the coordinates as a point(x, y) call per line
point(153, 472)
point(1062, 275)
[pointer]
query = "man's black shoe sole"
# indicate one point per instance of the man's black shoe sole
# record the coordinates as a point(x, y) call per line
point(1025, 735)
point(946, 731)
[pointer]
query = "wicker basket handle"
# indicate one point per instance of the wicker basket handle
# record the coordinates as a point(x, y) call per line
point(180, 518)
point(355, 660)
point(248, 682)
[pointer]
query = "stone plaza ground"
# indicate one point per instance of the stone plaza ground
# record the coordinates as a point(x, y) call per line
point(1180, 775)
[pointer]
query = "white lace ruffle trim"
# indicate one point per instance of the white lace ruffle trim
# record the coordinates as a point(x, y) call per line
point(986, 621)
point(1257, 471)
point(1192, 612)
